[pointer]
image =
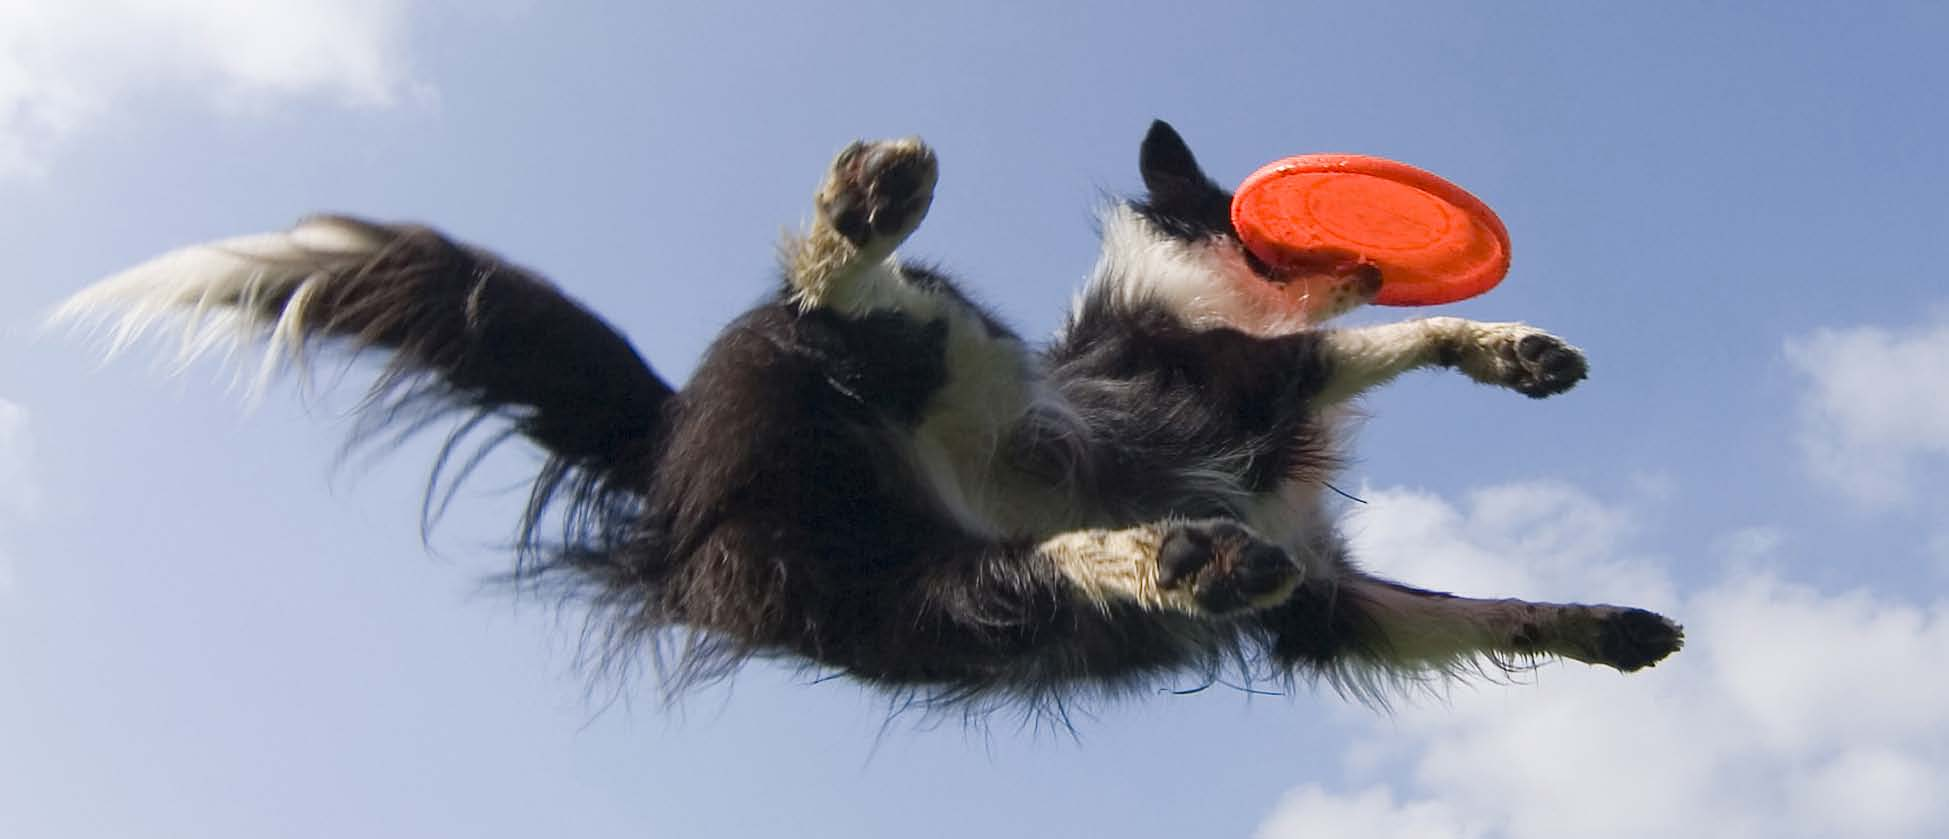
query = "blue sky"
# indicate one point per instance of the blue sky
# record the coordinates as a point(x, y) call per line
point(208, 630)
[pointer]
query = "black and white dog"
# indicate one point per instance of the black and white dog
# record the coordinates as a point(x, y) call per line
point(870, 473)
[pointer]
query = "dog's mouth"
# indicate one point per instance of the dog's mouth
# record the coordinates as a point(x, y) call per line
point(1309, 265)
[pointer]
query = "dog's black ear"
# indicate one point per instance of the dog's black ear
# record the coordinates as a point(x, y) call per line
point(1167, 164)
point(1183, 201)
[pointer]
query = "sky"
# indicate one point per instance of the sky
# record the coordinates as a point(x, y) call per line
point(213, 626)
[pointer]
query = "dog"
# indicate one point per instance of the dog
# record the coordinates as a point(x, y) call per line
point(871, 474)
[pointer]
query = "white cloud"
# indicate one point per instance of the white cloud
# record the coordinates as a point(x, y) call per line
point(1875, 409)
point(1791, 712)
point(1544, 539)
point(67, 64)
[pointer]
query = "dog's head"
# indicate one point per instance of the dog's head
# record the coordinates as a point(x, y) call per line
point(1176, 247)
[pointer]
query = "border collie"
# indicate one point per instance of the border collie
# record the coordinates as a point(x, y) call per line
point(871, 474)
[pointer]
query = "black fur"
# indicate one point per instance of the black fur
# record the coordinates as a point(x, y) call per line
point(780, 524)
point(1168, 396)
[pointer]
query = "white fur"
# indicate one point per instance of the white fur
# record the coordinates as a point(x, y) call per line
point(1111, 566)
point(992, 384)
point(1371, 356)
point(209, 293)
point(1209, 283)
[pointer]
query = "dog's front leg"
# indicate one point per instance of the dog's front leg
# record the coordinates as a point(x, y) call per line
point(1512, 355)
point(1355, 620)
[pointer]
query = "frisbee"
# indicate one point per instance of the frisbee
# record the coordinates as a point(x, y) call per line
point(1432, 241)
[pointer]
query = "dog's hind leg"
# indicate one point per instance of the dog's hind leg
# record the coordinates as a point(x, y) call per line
point(1512, 355)
point(874, 196)
point(1205, 567)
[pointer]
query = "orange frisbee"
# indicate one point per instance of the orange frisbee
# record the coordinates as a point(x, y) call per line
point(1432, 241)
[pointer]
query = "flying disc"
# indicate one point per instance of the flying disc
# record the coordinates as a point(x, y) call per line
point(1432, 241)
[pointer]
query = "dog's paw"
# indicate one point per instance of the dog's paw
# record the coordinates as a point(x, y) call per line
point(1224, 567)
point(1619, 637)
point(1633, 639)
point(877, 192)
point(1543, 365)
point(1524, 359)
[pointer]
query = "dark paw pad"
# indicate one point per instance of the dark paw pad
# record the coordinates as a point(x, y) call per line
point(1226, 567)
point(1543, 365)
point(879, 189)
point(1633, 639)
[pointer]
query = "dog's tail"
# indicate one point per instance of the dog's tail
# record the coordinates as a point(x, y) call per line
point(463, 332)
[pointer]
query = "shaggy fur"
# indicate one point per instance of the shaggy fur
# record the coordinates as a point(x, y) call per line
point(872, 474)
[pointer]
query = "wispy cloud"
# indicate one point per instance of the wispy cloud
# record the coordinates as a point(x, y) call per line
point(1791, 712)
point(1875, 409)
point(65, 66)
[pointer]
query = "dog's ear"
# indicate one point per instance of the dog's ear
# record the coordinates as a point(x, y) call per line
point(1167, 165)
point(1183, 201)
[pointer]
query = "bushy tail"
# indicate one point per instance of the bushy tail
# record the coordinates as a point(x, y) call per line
point(464, 333)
